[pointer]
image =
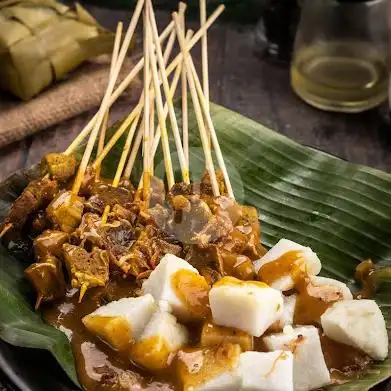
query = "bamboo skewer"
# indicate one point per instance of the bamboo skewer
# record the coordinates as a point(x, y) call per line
point(146, 138)
point(169, 101)
point(173, 88)
point(125, 83)
point(198, 88)
point(117, 93)
point(197, 108)
point(106, 99)
point(114, 58)
point(132, 115)
point(204, 53)
point(185, 119)
point(162, 121)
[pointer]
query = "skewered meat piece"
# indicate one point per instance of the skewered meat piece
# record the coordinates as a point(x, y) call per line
point(158, 193)
point(119, 212)
point(59, 166)
point(39, 223)
point(126, 184)
point(49, 243)
point(206, 185)
point(88, 231)
point(47, 278)
point(88, 182)
point(180, 188)
point(104, 194)
point(118, 237)
point(184, 224)
point(158, 216)
point(249, 226)
point(225, 206)
point(66, 211)
point(36, 195)
point(146, 252)
point(86, 269)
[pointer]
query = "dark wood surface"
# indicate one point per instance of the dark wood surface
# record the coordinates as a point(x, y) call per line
point(241, 81)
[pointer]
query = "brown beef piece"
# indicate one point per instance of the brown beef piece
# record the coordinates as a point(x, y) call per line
point(120, 212)
point(49, 242)
point(87, 185)
point(118, 237)
point(158, 192)
point(249, 225)
point(47, 278)
point(206, 186)
point(36, 195)
point(88, 230)
point(107, 195)
point(86, 269)
point(185, 224)
point(59, 166)
point(39, 223)
point(158, 216)
point(66, 211)
point(180, 188)
point(147, 251)
point(216, 228)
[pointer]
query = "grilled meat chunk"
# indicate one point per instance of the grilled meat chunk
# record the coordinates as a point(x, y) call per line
point(39, 222)
point(206, 185)
point(47, 278)
point(59, 166)
point(158, 193)
point(86, 269)
point(119, 212)
point(146, 252)
point(48, 243)
point(88, 231)
point(107, 195)
point(66, 211)
point(118, 237)
point(35, 196)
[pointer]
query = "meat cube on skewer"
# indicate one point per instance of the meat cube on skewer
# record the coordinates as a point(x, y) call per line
point(38, 194)
point(66, 211)
point(104, 194)
point(47, 278)
point(88, 231)
point(49, 242)
point(86, 270)
point(59, 166)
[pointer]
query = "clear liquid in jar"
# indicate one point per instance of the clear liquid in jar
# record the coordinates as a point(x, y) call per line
point(340, 76)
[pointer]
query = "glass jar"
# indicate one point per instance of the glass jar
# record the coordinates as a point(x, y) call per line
point(341, 55)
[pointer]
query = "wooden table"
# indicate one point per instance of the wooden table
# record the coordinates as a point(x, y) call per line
point(244, 82)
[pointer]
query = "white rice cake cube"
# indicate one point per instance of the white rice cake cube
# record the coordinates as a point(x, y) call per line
point(211, 369)
point(120, 322)
point(162, 336)
point(308, 261)
point(357, 323)
point(161, 286)
point(309, 367)
point(331, 288)
point(250, 306)
point(288, 311)
point(266, 371)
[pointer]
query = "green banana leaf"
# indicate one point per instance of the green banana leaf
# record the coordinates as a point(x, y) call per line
point(341, 210)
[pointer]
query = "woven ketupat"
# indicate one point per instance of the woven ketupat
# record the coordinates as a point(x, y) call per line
point(42, 40)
